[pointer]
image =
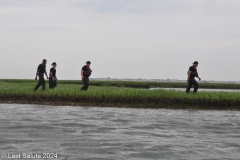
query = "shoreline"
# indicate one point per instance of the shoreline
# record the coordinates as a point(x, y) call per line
point(171, 105)
point(111, 96)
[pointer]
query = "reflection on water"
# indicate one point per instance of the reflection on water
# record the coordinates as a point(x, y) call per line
point(122, 134)
point(201, 89)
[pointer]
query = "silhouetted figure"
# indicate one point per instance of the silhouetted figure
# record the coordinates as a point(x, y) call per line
point(40, 73)
point(85, 74)
point(192, 73)
point(52, 76)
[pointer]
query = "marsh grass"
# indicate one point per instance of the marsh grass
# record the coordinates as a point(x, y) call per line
point(70, 94)
point(136, 84)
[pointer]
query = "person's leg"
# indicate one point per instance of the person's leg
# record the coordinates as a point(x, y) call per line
point(189, 86)
point(43, 83)
point(50, 82)
point(39, 83)
point(85, 83)
point(195, 83)
point(54, 84)
point(83, 87)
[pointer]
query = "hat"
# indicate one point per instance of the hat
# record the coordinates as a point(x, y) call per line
point(196, 62)
point(88, 62)
point(54, 63)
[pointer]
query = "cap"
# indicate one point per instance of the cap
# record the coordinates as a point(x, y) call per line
point(54, 63)
point(88, 62)
point(196, 62)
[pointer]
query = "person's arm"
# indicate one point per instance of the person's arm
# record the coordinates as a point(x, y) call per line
point(189, 73)
point(37, 74)
point(82, 74)
point(55, 76)
point(51, 75)
point(199, 78)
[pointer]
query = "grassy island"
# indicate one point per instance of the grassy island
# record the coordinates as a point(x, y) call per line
point(21, 91)
point(137, 84)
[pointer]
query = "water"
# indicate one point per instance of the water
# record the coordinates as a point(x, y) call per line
point(85, 133)
point(201, 89)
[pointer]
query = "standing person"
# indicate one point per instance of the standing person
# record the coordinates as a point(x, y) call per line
point(85, 74)
point(52, 76)
point(40, 73)
point(192, 73)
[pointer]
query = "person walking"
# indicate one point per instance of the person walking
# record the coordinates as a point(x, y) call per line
point(192, 73)
point(40, 73)
point(52, 76)
point(85, 74)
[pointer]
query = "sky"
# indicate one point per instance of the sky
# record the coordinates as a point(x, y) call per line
point(150, 39)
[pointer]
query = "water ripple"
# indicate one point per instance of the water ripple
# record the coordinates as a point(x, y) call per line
point(88, 133)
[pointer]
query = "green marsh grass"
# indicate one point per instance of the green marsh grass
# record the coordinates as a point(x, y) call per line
point(70, 94)
point(136, 84)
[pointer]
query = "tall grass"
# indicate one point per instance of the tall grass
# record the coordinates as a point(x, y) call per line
point(136, 84)
point(117, 96)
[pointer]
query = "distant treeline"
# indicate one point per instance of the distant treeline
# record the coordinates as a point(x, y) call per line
point(136, 84)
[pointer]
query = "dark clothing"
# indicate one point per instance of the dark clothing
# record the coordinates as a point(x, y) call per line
point(87, 71)
point(53, 70)
point(191, 82)
point(85, 83)
point(41, 68)
point(52, 83)
point(86, 74)
point(41, 82)
point(194, 72)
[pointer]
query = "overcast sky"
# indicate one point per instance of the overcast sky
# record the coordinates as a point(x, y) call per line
point(122, 38)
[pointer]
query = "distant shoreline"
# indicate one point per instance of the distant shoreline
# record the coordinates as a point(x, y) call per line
point(140, 80)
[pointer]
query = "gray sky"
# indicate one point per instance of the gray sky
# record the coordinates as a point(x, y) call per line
point(122, 38)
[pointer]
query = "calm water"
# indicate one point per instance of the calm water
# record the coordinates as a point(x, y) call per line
point(83, 133)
